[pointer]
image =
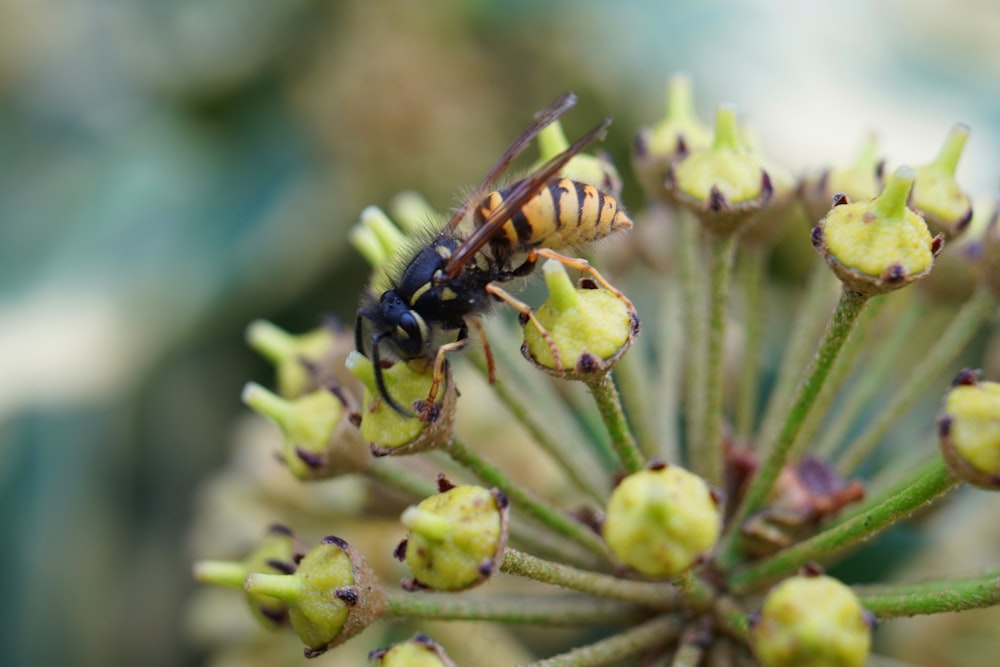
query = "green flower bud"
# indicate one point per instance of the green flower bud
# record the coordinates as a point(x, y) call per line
point(418, 651)
point(591, 329)
point(677, 134)
point(387, 431)
point(960, 267)
point(946, 208)
point(294, 357)
point(332, 595)
point(969, 430)
point(319, 439)
point(377, 238)
point(858, 181)
point(812, 621)
point(456, 537)
point(879, 245)
point(724, 185)
point(662, 521)
point(412, 212)
point(275, 554)
point(598, 171)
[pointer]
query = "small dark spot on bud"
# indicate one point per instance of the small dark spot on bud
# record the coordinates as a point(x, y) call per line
point(443, 483)
point(588, 363)
point(880, 170)
point(657, 463)
point(670, 179)
point(635, 324)
point(313, 461)
point(276, 616)
point(964, 222)
point(717, 201)
point(500, 499)
point(937, 245)
point(378, 451)
point(840, 199)
point(811, 569)
point(522, 319)
point(817, 236)
point(486, 568)
point(410, 585)
point(312, 368)
point(426, 411)
point(639, 146)
point(278, 529)
point(944, 426)
point(753, 619)
point(588, 283)
point(386, 363)
point(399, 553)
point(870, 619)
point(348, 595)
point(894, 274)
point(681, 148)
point(297, 558)
point(766, 187)
point(421, 638)
point(966, 376)
point(716, 497)
point(354, 418)
point(338, 391)
point(282, 566)
point(336, 541)
point(314, 652)
point(377, 653)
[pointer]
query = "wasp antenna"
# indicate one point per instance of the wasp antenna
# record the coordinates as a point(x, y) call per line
point(383, 390)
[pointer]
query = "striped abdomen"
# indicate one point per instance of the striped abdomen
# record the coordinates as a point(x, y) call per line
point(564, 214)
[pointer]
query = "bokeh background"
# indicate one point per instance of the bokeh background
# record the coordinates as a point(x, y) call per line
point(171, 170)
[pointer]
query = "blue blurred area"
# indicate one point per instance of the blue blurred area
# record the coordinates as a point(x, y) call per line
point(170, 171)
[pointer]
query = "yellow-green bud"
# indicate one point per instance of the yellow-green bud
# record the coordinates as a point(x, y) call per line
point(591, 329)
point(945, 207)
point(858, 181)
point(418, 651)
point(878, 245)
point(969, 430)
point(456, 539)
point(387, 431)
point(412, 212)
point(377, 238)
point(662, 521)
point(319, 440)
point(677, 134)
point(724, 185)
point(332, 595)
point(275, 554)
point(598, 171)
point(812, 621)
point(294, 357)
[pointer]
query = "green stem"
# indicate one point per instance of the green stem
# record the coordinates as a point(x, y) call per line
point(609, 404)
point(752, 280)
point(731, 618)
point(931, 482)
point(849, 307)
point(694, 326)
point(528, 501)
point(657, 632)
point(655, 595)
point(529, 609)
point(630, 376)
point(872, 378)
point(961, 329)
point(689, 653)
point(846, 362)
point(580, 468)
point(933, 598)
point(804, 333)
point(723, 251)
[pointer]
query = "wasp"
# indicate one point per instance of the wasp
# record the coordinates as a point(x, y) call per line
point(455, 277)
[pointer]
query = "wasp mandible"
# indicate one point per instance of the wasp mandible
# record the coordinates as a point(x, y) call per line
point(453, 278)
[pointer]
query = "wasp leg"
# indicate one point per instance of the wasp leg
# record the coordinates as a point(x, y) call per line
point(487, 350)
point(427, 410)
point(583, 266)
point(529, 314)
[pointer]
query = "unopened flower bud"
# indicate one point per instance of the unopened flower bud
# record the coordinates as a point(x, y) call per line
point(724, 185)
point(946, 208)
point(412, 212)
point(275, 554)
point(418, 651)
point(662, 521)
point(812, 621)
point(319, 439)
point(294, 357)
point(386, 430)
point(969, 430)
point(879, 245)
point(677, 134)
point(597, 171)
point(456, 539)
point(590, 329)
point(332, 595)
point(377, 238)
point(858, 181)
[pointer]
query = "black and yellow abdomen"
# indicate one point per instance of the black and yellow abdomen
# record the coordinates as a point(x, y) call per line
point(564, 214)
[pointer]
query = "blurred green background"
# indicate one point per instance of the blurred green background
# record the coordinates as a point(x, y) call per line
point(171, 170)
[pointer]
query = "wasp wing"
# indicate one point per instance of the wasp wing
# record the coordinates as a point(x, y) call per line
point(520, 194)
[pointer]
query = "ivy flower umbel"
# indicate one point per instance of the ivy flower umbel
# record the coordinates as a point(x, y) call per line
point(641, 547)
